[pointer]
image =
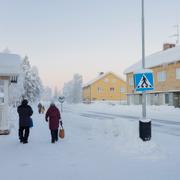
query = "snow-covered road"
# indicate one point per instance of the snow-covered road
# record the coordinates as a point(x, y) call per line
point(98, 148)
point(171, 127)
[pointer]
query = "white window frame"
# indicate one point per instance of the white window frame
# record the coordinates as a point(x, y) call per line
point(161, 76)
point(177, 73)
point(122, 89)
point(99, 89)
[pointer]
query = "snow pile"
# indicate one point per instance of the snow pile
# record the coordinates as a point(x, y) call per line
point(131, 145)
point(123, 135)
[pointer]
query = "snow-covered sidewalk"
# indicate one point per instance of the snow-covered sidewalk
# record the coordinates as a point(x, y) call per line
point(92, 149)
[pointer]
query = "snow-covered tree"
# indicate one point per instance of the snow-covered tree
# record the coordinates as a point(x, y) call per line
point(77, 88)
point(73, 89)
point(47, 94)
point(56, 94)
point(32, 82)
point(28, 86)
point(67, 91)
point(36, 83)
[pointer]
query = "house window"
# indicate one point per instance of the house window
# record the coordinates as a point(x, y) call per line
point(131, 81)
point(114, 81)
point(122, 89)
point(106, 80)
point(1, 86)
point(112, 89)
point(99, 89)
point(177, 73)
point(1, 91)
point(161, 76)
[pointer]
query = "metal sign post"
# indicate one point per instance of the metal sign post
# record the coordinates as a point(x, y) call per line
point(144, 82)
point(143, 85)
point(61, 100)
point(143, 63)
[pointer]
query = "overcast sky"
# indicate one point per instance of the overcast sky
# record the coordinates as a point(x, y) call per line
point(63, 37)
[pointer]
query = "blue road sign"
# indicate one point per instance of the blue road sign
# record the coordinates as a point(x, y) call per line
point(144, 81)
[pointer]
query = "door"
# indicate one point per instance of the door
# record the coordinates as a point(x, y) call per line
point(176, 99)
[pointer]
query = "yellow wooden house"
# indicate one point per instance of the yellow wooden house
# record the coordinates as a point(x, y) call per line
point(107, 86)
point(165, 66)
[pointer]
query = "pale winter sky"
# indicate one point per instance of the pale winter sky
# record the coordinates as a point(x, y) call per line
point(63, 37)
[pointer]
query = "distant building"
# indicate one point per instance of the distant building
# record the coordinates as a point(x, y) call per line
point(107, 86)
point(166, 70)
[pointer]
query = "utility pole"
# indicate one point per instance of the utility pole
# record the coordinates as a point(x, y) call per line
point(143, 63)
point(144, 123)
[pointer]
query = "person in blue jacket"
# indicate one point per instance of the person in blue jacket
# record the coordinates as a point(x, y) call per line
point(25, 112)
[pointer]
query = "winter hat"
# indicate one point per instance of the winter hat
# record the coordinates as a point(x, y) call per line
point(24, 102)
point(52, 102)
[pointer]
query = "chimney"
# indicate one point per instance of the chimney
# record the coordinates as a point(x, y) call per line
point(168, 46)
point(101, 73)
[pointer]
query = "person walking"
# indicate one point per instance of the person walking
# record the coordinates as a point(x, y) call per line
point(25, 112)
point(53, 115)
point(39, 108)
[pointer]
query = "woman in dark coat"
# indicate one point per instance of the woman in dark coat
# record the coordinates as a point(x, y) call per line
point(54, 117)
point(25, 112)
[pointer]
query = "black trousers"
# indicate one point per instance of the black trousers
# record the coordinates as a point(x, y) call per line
point(54, 135)
point(23, 133)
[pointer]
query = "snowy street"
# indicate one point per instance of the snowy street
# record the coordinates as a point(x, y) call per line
point(90, 90)
point(100, 143)
point(159, 123)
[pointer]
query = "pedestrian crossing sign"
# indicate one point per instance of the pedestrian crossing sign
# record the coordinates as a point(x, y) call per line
point(144, 81)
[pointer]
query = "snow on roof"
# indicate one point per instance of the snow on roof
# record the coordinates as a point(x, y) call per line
point(9, 64)
point(100, 77)
point(163, 57)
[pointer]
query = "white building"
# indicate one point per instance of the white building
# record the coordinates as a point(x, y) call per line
point(9, 70)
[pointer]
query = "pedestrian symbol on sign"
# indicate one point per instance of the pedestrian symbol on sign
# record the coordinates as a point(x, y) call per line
point(144, 82)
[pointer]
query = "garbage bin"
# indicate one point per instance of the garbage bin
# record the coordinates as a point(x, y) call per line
point(145, 130)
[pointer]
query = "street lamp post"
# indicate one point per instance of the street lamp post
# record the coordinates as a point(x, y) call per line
point(143, 62)
point(144, 123)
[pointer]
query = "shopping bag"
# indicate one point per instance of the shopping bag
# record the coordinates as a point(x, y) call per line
point(30, 122)
point(61, 133)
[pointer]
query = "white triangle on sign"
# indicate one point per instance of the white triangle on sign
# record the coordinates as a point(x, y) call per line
point(144, 83)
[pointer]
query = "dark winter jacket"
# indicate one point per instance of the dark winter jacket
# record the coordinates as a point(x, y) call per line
point(25, 112)
point(53, 116)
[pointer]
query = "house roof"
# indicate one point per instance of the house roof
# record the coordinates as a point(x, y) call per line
point(9, 64)
point(160, 58)
point(100, 77)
